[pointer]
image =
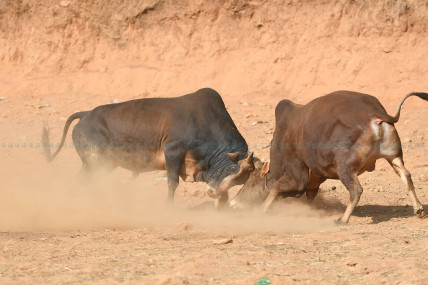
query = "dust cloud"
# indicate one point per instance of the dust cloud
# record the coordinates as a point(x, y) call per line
point(36, 196)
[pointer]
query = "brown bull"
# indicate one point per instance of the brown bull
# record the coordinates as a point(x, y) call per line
point(337, 136)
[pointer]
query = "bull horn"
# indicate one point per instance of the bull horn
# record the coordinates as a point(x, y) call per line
point(265, 169)
point(250, 159)
point(233, 155)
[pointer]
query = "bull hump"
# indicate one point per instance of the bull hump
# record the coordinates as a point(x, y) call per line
point(284, 108)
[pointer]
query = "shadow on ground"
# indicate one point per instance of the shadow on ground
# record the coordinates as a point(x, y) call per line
point(378, 213)
point(382, 213)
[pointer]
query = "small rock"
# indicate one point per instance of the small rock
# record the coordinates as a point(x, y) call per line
point(351, 264)
point(115, 101)
point(64, 3)
point(407, 140)
point(223, 241)
point(3, 98)
point(333, 188)
point(40, 106)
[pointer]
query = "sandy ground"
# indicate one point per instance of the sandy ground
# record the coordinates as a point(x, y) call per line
point(53, 230)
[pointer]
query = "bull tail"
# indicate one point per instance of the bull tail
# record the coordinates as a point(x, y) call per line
point(421, 95)
point(45, 136)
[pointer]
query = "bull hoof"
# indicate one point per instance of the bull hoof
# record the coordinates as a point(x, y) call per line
point(339, 222)
point(421, 214)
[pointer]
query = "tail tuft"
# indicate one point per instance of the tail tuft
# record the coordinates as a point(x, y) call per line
point(45, 136)
point(46, 143)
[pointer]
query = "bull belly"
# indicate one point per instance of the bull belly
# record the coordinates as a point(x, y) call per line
point(140, 160)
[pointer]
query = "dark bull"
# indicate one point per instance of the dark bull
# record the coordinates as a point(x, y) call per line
point(192, 137)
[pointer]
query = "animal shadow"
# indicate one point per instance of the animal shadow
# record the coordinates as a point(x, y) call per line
point(383, 213)
point(378, 213)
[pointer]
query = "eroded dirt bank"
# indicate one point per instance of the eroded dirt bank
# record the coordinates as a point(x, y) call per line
point(281, 48)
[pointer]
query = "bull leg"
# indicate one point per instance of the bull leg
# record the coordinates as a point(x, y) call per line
point(172, 173)
point(284, 184)
point(294, 179)
point(94, 153)
point(221, 202)
point(85, 174)
point(355, 189)
point(94, 163)
point(273, 194)
point(398, 165)
point(173, 160)
point(311, 194)
point(88, 171)
point(313, 186)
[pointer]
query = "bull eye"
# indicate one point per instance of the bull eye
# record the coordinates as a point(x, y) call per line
point(231, 170)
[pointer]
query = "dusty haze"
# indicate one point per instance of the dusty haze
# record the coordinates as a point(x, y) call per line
point(59, 57)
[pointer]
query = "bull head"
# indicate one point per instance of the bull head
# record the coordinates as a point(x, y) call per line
point(232, 175)
point(256, 188)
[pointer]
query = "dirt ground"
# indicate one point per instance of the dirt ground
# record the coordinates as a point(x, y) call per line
point(59, 57)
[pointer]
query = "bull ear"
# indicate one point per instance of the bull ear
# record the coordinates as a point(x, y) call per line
point(265, 169)
point(233, 155)
point(250, 159)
